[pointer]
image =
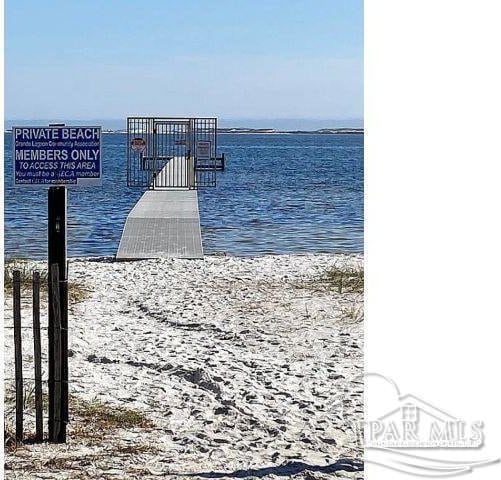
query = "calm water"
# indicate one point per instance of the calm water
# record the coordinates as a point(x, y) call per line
point(278, 194)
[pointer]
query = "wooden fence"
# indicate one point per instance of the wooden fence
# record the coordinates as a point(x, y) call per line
point(55, 419)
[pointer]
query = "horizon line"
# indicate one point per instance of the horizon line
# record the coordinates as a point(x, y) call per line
point(337, 119)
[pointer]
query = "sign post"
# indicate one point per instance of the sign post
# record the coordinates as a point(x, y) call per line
point(57, 156)
point(57, 201)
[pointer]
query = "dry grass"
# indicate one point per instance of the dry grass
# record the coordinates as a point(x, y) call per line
point(76, 292)
point(26, 269)
point(90, 420)
point(353, 312)
point(339, 279)
point(9, 440)
point(97, 416)
point(28, 398)
point(344, 280)
point(135, 449)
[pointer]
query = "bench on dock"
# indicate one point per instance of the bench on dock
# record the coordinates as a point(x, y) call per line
point(214, 164)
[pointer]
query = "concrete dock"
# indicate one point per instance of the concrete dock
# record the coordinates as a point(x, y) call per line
point(165, 222)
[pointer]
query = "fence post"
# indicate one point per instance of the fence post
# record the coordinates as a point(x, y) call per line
point(18, 353)
point(37, 357)
point(56, 305)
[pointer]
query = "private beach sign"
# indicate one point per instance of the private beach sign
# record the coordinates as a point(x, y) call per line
point(57, 155)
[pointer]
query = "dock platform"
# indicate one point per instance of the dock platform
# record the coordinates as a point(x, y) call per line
point(163, 223)
point(172, 157)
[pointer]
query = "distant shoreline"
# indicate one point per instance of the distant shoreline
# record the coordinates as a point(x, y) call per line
point(321, 131)
point(264, 131)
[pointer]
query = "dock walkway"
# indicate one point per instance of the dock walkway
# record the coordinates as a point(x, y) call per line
point(164, 223)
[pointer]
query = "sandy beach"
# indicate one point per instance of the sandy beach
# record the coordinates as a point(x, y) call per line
point(227, 367)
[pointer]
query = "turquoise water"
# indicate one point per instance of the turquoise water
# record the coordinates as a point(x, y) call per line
point(278, 194)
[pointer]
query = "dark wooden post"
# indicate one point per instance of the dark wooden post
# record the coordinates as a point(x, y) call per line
point(18, 354)
point(37, 357)
point(57, 349)
point(57, 255)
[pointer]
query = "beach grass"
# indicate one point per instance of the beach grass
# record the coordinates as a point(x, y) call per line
point(9, 440)
point(103, 416)
point(77, 292)
point(90, 419)
point(338, 278)
point(344, 280)
point(353, 312)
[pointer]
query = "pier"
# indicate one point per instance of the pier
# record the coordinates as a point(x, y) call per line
point(172, 158)
point(163, 224)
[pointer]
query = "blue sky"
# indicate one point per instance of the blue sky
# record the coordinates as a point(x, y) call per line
point(234, 59)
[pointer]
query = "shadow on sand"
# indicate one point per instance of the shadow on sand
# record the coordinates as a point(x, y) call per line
point(286, 469)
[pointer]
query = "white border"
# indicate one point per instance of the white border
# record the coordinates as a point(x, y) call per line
point(81, 182)
point(433, 202)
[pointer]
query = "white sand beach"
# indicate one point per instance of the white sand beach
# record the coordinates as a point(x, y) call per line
point(218, 368)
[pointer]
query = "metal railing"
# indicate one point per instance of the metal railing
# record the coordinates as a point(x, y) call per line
point(171, 152)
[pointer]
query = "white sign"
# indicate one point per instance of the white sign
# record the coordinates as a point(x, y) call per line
point(138, 144)
point(203, 150)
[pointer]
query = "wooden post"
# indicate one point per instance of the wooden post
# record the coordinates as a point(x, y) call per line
point(18, 354)
point(57, 199)
point(37, 357)
point(56, 305)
